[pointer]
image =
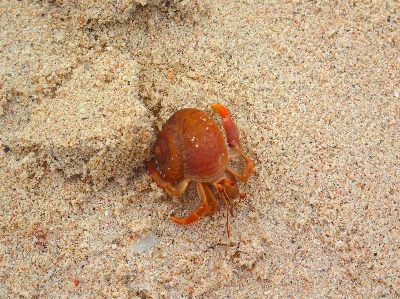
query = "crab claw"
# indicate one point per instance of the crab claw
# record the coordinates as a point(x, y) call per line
point(231, 130)
point(232, 137)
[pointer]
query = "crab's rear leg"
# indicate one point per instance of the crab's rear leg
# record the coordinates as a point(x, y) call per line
point(232, 137)
point(208, 205)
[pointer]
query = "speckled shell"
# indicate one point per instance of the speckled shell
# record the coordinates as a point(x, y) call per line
point(191, 146)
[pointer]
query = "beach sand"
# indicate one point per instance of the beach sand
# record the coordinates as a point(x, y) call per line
point(313, 87)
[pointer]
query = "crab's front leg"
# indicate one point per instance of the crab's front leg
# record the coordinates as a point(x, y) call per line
point(170, 188)
point(232, 137)
point(208, 205)
point(231, 130)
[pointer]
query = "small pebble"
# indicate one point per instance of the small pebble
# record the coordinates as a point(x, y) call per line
point(144, 243)
point(70, 286)
point(139, 267)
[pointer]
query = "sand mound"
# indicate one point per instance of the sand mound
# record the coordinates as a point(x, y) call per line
point(95, 127)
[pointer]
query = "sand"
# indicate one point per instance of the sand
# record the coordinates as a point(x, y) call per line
point(314, 90)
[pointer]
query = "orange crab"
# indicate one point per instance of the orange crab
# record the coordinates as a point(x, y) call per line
point(191, 147)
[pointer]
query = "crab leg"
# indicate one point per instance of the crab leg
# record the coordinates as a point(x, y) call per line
point(208, 205)
point(231, 130)
point(170, 188)
point(245, 173)
point(232, 137)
